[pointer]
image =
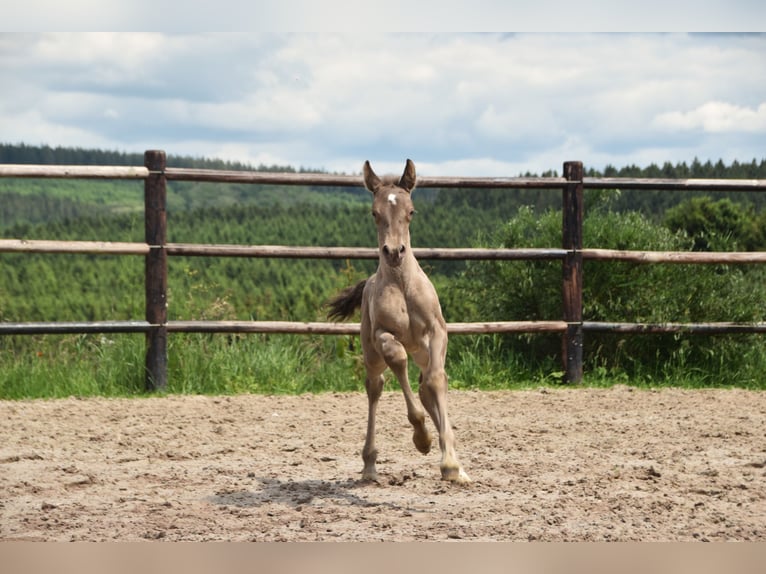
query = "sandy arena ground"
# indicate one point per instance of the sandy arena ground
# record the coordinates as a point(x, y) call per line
point(548, 465)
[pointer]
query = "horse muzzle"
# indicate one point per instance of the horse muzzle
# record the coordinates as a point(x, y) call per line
point(394, 257)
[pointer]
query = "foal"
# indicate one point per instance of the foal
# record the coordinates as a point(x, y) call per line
point(401, 315)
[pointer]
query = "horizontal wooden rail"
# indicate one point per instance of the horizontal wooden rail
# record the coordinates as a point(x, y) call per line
point(675, 184)
point(662, 328)
point(308, 252)
point(76, 327)
point(286, 327)
point(311, 252)
point(74, 171)
point(697, 257)
point(342, 180)
point(261, 177)
point(274, 327)
point(91, 247)
point(319, 328)
point(270, 251)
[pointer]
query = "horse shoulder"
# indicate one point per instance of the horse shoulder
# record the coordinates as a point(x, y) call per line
point(423, 296)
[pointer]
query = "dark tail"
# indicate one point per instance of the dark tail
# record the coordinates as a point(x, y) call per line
point(346, 302)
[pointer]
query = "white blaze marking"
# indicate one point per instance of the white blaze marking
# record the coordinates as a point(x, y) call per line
point(392, 198)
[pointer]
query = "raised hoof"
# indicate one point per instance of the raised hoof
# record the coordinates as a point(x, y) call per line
point(422, 441)
point(456, 475)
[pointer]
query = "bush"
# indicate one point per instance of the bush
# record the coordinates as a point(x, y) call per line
point(718, 225)
point(621, 292)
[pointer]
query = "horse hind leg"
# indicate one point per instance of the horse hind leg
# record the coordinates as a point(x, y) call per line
point(433, 394)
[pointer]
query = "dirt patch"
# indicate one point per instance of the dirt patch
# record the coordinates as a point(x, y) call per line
point(575, 465)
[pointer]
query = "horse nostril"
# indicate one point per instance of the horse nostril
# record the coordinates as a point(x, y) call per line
point(395, 253)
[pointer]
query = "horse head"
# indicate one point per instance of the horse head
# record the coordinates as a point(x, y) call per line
point(392, 209)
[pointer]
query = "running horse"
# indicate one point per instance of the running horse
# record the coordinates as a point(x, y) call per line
point(401, 315)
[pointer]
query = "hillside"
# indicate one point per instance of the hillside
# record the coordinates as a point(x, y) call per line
point(36, 201)
point(94, 288)
point(33, 201)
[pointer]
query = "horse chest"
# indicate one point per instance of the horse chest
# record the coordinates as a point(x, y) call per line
point(403, 314)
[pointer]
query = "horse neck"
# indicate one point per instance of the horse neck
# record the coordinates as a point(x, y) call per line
point(404, 275)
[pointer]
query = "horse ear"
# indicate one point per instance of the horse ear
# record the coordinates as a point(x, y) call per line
point(371, 181)
point(409, 178)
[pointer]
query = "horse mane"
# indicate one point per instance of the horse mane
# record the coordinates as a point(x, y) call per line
point(393, 180)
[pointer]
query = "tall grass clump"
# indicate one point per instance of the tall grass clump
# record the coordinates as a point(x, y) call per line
point(88, 365)
point(622, 292)
point(271, 364)
point(55, 366)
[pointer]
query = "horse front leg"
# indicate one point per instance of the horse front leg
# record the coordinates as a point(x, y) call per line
point(374, 385)
point(395, 357)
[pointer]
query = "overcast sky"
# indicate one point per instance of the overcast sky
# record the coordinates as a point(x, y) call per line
point(457, 104)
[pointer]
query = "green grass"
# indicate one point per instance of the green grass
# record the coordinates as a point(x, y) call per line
point(220, 364)
point(113, 366)
point(79, 365)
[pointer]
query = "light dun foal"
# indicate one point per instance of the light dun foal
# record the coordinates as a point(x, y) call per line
point(401, 315)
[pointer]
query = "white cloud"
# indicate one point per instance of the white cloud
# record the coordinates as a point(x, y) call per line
point(31, 128)
point(491, 104)
point(120, 52)
point(716, 117)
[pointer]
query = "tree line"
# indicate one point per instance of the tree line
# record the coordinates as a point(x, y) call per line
point(47, 155)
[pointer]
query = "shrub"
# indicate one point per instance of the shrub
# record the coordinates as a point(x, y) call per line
point(621, 292)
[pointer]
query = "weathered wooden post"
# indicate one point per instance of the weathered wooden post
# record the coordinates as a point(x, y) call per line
point(156, 278)
point(572, 341)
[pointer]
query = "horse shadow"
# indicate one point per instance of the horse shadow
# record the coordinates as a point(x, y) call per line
point(296, 494)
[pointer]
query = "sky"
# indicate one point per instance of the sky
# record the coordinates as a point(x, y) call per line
point(462, 104)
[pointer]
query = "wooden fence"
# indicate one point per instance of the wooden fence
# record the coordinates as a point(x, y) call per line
point(155, 249)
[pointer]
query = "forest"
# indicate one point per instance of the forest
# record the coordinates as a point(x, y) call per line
point(91, 288)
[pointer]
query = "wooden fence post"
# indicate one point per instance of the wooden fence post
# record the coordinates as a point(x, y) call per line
point(156, 278)
point(572, 341)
